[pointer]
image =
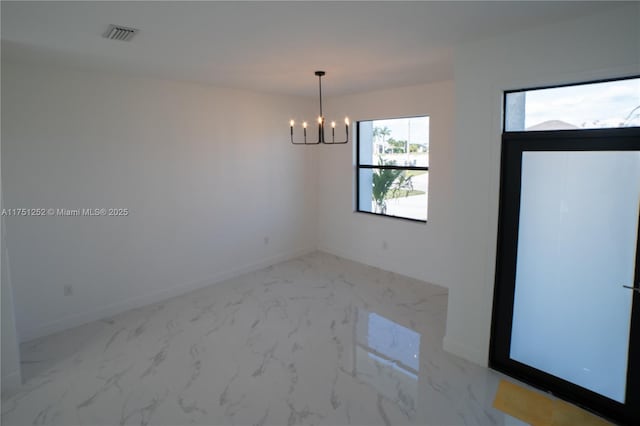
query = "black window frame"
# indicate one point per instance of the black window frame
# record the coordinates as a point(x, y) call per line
point(559, 86)
point(388, 167)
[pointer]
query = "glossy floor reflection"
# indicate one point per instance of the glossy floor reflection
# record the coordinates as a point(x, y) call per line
point(315, 340)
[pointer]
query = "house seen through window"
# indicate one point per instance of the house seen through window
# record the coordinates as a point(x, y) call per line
point(393, 167)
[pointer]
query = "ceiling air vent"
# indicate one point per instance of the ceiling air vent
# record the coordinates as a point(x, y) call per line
point(116, 32)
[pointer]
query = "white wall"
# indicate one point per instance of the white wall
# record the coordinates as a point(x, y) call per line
point(600, 46)
point(415, 249)
point(10, 353)
point(207, 174)
point(10, 348)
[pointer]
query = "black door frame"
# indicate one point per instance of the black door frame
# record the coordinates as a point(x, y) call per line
point(513, 145)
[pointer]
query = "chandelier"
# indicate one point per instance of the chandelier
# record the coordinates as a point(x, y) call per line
point(321, 122)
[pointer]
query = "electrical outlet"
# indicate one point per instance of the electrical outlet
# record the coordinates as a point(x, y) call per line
point(68, 290)
point(385, 245)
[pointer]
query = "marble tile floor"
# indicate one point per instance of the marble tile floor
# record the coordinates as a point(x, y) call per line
point(317, 340)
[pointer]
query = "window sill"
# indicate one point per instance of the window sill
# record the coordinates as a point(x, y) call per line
point(392, 217)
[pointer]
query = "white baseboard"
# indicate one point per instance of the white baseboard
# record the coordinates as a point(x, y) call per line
point(342, 254)
point(465, 351)
point(363, 261)
point(11, 382)
point(148, 299)
point(366, 262)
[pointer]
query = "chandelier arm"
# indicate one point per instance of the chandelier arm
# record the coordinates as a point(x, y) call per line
point(305, 141)
point(338, 143)
point(320, 140)
point(333, 140)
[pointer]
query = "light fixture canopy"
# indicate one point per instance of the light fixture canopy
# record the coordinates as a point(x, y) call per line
point(321, 121)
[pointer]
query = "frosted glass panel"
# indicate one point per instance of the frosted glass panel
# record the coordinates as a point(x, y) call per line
point(576, 248)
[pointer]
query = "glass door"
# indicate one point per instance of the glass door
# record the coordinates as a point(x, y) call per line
point(566, 316)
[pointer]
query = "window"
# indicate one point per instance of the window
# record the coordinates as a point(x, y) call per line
point(393, 167)
point(600, 105)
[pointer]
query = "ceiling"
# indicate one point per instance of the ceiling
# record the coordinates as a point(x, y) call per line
point(269, 46)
